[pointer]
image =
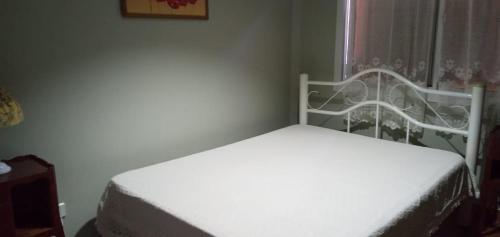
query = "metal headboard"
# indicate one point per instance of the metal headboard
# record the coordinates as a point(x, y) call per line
point(472, 131)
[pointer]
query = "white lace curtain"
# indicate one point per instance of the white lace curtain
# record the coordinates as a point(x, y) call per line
point(469, 44)
point(448, 44)
point(392, 34)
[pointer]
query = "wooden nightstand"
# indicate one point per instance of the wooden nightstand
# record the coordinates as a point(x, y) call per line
point(28, 199)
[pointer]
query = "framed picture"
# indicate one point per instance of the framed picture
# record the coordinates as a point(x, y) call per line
point(190, 9)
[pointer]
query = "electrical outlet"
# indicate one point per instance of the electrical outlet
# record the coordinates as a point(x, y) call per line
point(62, 210)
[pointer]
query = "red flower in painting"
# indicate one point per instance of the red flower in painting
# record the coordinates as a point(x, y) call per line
point(175, 4)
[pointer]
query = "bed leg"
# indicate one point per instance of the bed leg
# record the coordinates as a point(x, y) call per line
point(304, 88)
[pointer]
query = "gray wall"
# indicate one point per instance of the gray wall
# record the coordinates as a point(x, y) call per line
point(313, 41)
point(104, 94)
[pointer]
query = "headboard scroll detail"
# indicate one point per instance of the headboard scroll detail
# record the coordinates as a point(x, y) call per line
point(474, 115)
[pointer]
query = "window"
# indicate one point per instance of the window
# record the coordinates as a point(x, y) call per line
point(440, 43)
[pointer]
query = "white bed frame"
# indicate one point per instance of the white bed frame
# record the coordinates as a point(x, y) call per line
point(472, 131)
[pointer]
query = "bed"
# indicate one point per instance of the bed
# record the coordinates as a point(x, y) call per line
point(301, 180)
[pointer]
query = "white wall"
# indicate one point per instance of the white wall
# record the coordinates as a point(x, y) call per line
point(104, 94)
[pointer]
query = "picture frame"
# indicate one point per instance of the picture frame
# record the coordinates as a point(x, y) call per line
point(181, 9)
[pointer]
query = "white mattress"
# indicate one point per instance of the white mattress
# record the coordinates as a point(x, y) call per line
point(297, 181)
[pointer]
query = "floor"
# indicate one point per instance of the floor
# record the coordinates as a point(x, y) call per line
point(493, 231)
